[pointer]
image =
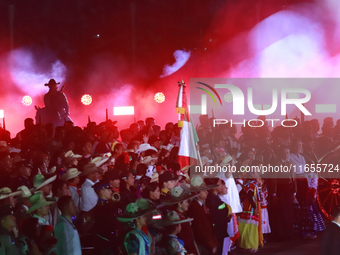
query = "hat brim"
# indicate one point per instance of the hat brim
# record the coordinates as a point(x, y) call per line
point(13, 194)
point(100, 163)
point(175, 200)
point(192, 189)
point(39, 205)
point(63, 177)
point(170, 223)
point(47, 84)
point(140, 214)
point(48, 181)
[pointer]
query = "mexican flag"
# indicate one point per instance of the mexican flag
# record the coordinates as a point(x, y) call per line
point(187, 154)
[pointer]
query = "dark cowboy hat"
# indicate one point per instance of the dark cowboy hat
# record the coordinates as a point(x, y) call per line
point(52, 82)
point(136, 210)
point(197, 184)
point(177, 194)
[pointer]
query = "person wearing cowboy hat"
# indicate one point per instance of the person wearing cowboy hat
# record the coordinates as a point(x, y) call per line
point(201, 225)
point(25, 169)
point(173, 226)
point(219, 211)
point(40, 208)
point(56, 102)
point(71, 159)
point(8, 245)
point(181, 198)
point(136, 241)
point(106, 224)
point(167, 181)
point(44, 185)
point(8, 197)
point(89, 198)
point(72, 178)
point(23, 204)
point(6, 164)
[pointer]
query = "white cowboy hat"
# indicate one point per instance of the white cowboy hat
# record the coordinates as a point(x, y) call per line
point(168, 147)
point(70, 174)
point(145, 147)
point(40, 181)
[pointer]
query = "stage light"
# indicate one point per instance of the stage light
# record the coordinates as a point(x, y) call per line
point(159, 97)
point(26, 100)
point(228, 97)
point(86, 99)
point(2, 114)
point(124, 110)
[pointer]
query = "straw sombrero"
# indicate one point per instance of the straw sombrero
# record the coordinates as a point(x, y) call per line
point(98, 161)
point(70, 174)
point(197, 184)
point(70, 155)
point(7, 192)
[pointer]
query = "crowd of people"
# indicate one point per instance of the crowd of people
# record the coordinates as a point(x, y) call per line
point(100, 190)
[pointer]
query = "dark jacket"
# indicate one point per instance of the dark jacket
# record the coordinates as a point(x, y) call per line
point(202, 226)
point(330, 240)
point(106, 226)
point(219, 216)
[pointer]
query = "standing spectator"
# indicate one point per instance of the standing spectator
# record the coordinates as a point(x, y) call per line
point(202, 225)
point(60, 188)
point(40, 208)
point(136, 241)
point(7, 225)
point(65, 231)
point(128, 192)
point(72, 178)
point(220, 214)
point(173, 224)
point(25, 169)
point(89, 198)
point(167, 181)
point(106, 224)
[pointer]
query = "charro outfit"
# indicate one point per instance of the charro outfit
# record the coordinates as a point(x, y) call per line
point(137, 242)
point(175, 246)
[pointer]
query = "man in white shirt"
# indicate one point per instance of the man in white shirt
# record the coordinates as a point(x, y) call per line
point(65, 231)
point(89, 197)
